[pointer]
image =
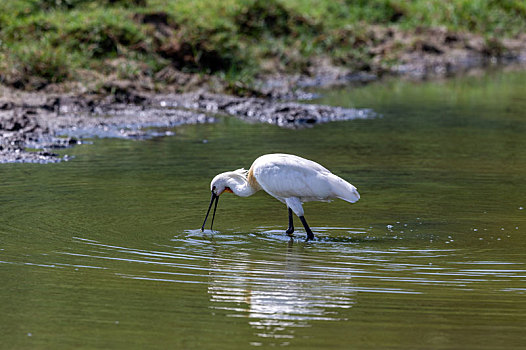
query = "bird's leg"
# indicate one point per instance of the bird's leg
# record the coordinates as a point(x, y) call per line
point(290, 230)
point(310, 235)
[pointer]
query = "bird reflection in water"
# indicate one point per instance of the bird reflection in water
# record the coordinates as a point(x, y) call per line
point(278, 296)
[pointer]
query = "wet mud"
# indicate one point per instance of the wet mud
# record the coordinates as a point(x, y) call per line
point(259, 110)
point(34, 126)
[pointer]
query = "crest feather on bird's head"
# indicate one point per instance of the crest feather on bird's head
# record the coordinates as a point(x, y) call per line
point(241, 172)
point(229, 179)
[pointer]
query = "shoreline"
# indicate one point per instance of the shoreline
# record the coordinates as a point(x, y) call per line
point(34, 124)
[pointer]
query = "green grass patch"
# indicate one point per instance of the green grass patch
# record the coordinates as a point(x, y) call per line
point(31, 66)
point(234, 39)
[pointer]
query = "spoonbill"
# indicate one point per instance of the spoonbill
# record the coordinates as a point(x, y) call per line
point(290, 179)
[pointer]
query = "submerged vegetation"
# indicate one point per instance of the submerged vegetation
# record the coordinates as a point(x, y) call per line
point(52, 41)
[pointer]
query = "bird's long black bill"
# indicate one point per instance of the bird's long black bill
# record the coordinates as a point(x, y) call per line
point(214, 214)
point(208, 212)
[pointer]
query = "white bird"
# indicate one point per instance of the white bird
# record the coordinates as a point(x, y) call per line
point(290, 179)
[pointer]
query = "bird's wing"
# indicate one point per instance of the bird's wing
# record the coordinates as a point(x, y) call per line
point(285, 176)
point(342, 189)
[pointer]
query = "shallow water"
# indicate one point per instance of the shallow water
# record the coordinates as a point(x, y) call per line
point(105, 251)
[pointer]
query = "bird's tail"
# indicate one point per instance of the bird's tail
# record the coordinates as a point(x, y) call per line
point(344, 190)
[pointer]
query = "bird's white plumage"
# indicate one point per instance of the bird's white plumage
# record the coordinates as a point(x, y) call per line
point(294, 180)
point(290, 179)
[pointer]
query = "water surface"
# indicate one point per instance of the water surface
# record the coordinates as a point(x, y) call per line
point(104, 251)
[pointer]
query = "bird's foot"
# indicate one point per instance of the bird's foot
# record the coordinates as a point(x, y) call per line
point(290, 232)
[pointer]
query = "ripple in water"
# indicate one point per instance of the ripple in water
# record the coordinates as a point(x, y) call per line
point(279, 284)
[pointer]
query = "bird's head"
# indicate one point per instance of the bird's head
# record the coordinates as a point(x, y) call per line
point(220, 184)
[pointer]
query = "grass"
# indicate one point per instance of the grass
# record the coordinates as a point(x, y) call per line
point(51, 41)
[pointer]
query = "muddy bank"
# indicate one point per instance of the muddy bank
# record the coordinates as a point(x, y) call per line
point(259, 110)
point(421, 54)
point(33, 126)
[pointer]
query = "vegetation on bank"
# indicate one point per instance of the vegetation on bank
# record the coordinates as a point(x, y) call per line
point(53, 41)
